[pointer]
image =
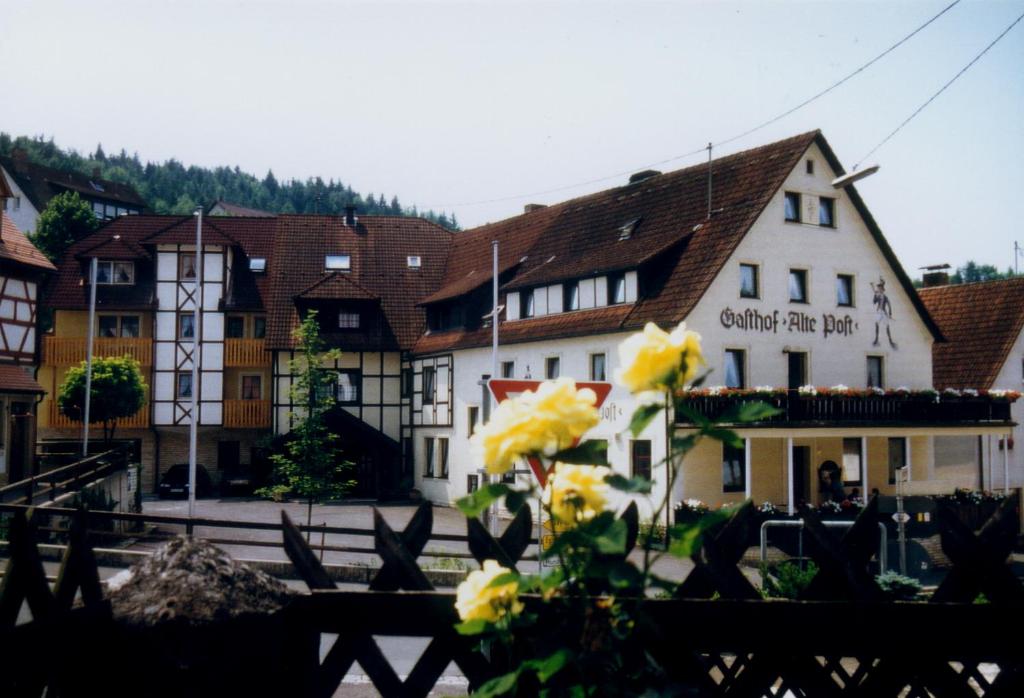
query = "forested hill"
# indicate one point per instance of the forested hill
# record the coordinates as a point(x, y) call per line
point(171, 187)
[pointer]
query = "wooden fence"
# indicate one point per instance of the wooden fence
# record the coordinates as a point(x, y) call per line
point(716, 638)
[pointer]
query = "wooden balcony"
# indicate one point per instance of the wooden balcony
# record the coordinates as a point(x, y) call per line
point(139, 420)
point(246, 414)
point(245, 352)
point(71, 351)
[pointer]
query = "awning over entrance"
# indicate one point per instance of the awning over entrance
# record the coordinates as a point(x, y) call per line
point(14, 379)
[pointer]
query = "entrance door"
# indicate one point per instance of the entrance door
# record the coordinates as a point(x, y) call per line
point(802, 474)
point(797, 369)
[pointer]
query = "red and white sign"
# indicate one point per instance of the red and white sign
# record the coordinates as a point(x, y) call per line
point(504, 388)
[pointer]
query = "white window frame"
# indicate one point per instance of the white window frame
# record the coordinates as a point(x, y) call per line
point(338, 262)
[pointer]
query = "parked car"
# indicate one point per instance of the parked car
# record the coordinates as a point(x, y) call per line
point(174, 483)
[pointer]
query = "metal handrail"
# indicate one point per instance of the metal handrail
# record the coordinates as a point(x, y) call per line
point(883, 543)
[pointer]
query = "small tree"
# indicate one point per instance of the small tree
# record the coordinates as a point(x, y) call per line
point(68, 217)
point(118, 390)
point(311, 465)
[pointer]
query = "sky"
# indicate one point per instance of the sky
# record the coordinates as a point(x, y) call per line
point(480, 108)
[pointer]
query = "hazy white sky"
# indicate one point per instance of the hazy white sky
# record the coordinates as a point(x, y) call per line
point(452, 104)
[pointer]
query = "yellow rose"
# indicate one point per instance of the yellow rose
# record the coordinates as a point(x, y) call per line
point(658, 360)
point(577, 493)
point(535, 423)
point(477, 600)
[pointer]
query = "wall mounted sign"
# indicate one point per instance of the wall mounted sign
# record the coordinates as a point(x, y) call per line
point(794, 321)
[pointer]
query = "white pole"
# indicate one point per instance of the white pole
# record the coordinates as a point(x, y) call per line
point(197, 301)
point(748, 488)
point(1006, 464)
point(493, 513)
point(93, 267)
point(866, 492)
point(791, 507)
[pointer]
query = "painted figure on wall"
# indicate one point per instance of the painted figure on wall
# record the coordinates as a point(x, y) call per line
point(883, 311)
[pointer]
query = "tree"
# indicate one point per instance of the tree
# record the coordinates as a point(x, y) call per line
point(972, 272)
point(118, 390)
point(311, 466)
point(67, 218)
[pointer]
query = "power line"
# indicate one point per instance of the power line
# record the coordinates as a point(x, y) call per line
point(941, 90)
point(691, 153)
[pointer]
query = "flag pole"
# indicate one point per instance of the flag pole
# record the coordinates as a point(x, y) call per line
point(197, 301)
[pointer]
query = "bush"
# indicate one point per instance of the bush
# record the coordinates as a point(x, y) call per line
point(786, 580)
point(897, 587)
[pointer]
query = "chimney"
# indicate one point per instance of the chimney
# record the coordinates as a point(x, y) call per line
point(935, 278)
point(641, 176)
point(530, 208)
point(350, 216)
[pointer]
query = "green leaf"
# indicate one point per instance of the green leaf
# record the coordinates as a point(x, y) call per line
point(643, 416)
point(683, 444)
point(498, 686)
point(686, 538)
point(746, 412)
point(624, 575)
point(515, 500)
point(594, 452)
point(471, 627)
point(613, 540)
point(691, 414)
point(553, 579)
point(550, 665)
point(727, 436)
point(503, 579)
point(632, 484)
point(476, 502)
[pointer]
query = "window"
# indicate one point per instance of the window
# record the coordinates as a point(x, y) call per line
point(792, 205)
point(428, 385)
point(472, 483)
point(413, 261)
point(235, 327)
point(875, 374)
point(897, 456)
point(258, 265)
point(552, 365)
point(472, 418)
point(844, 290)
point(338, 262)
point(428, 456)
point(735, 370)
point(571, 296)
point(852, 459)
point(252, 387)
point(186, 266)
point(826, 212)
point(442, 457)
point(734, 472)
point(184, 385)
point(118, 326)
point(597, 367)
point(406, 382)
point(259, 327)
point(749, 281)
point(508, 369)
point(347, 390)
point(616, 288)
point(797, 285)
point(348, 320)
point(640, 458)
point(186, 326)
point(528, 305)
point(115, 273)
point(797, 369)
point(810, 166)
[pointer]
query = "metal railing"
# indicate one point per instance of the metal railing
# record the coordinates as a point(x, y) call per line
point(883, 543)
point(69, 478)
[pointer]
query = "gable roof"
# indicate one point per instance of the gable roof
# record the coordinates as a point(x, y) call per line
point(229, 209)
point(16, 247)
point(981, 322)
point(41, 183)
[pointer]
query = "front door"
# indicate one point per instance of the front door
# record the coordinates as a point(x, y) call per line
point(802, 474)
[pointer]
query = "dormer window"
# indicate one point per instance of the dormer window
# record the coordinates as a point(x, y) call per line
point(258, 265)
point(572, 296)
point(413, 261)
point(348, 320)
point(616, 288)
point(115, 273)
point(338, 262)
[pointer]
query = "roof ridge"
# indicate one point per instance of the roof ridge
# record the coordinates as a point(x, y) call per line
point(340, 276)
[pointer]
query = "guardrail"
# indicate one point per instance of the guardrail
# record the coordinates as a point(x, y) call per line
point(883, 544)
point(245, 352)
point(246, 413)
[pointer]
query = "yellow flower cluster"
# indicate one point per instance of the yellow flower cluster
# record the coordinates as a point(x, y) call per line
point(475, 599)
point(576, 493)
point(535, 423)
point(659, 360)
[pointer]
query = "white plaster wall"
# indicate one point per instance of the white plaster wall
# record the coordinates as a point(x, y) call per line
point(1011, 377)
point(26, 216)
point(776, 246)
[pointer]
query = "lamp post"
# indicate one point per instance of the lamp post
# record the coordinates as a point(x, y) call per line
point(93, 267)
point(197, 301)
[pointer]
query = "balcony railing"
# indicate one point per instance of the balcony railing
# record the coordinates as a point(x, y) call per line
point(71, 351)
point(836, 410)
point(245, 352)
point(241, 414)
point(139, 420)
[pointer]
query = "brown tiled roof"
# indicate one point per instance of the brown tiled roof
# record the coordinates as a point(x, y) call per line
point(16, 247)
point(981, 322)
point(41, 184)
point(378, 246)
point(114, 247)
point(681, 250)
point(231, 209)
point(14, 379)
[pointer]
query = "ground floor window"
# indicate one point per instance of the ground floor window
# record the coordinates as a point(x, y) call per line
point(734, 472)
point(640, 458)
point(897, 456)
point(428, 456)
